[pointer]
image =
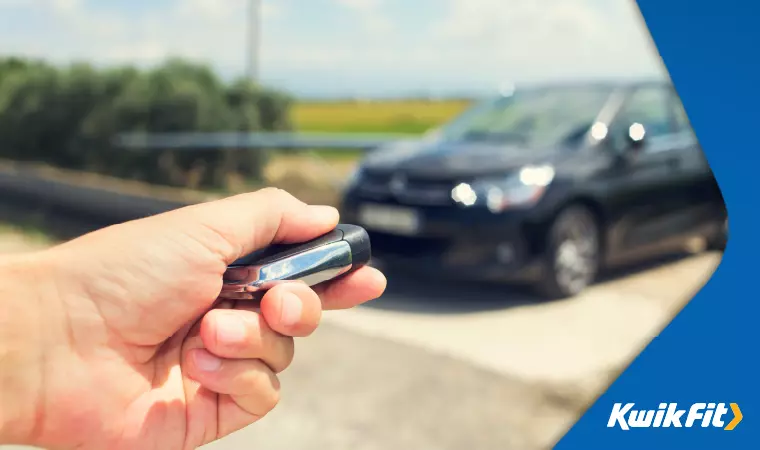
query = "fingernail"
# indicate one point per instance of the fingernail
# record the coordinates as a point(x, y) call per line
point(230, 328)
point(290, 313)
point(206, 362)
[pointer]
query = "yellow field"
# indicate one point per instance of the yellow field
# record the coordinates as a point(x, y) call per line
point(393, 116)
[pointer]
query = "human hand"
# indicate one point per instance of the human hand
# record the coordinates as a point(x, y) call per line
point(110, 341)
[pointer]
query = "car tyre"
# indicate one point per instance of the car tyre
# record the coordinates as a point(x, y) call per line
point(572, 254)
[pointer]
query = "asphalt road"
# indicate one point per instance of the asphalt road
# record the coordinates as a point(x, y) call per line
point(452, 366)
point(349, 391)
point(511, 332)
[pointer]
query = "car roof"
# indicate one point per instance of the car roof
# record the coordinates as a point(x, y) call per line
point(595, 84)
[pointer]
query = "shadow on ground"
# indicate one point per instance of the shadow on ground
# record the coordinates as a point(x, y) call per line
point(423, 294)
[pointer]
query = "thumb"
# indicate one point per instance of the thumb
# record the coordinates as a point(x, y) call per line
point(238, 225)
point(150, 290)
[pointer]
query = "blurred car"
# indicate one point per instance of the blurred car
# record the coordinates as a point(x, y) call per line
point(548, 184)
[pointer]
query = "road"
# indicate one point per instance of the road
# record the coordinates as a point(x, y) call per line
point(451, 366)
point(511, 332)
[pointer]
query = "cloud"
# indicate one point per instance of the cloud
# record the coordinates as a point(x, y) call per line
point(482, 43)
point(531, 38)
point(215, 10)
point(66, 5)
point(371, 15)
point(463, 42)
point(56, 5)
point(13, 3)
point(207, 30)
point(361, 5)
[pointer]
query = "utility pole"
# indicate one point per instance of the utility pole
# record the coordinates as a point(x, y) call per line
point(253, 46)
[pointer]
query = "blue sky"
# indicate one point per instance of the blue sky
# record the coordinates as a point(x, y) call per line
point(348, 47)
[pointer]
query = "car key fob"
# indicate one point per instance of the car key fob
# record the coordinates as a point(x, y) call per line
point(341, 251)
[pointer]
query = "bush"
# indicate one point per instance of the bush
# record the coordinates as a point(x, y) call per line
point(68, 116)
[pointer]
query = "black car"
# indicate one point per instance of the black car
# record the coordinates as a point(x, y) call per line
point(549, 184)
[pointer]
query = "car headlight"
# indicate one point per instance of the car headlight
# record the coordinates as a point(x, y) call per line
point(521, 189)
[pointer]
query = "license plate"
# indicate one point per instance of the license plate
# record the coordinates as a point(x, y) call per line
point(390, 218)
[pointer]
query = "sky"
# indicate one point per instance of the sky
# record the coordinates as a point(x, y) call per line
point(348, 47)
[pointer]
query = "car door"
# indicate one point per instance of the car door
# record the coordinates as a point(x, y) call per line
point(703, 209)
point(647, 193)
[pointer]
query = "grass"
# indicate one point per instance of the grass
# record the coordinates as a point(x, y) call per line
point(380, 116)
point(392, 116)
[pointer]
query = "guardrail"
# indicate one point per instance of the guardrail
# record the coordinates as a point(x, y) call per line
point(188, 141)
point(86, 208)
point(307, 143)
point(80, 208)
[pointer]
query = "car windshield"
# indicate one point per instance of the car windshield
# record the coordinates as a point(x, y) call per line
point(534, 118)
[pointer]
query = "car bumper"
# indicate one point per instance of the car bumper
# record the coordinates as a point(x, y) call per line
point(475, 245)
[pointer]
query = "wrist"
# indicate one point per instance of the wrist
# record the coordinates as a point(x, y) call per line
point(21, 348)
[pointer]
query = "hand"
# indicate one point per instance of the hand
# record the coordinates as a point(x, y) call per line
point(110, 342)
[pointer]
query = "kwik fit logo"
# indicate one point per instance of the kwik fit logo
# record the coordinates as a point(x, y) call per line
point(667, 415)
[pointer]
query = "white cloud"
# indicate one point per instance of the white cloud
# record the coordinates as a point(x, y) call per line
point(482, 42)
point(215, 10)
point(470, 41)
point(57, 5)
point(13, 3)
point(371, 15)
point(361, 5)
point(535, 38)
point(66, 5)
point(208, 30)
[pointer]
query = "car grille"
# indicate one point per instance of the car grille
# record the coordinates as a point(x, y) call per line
point(412, 192)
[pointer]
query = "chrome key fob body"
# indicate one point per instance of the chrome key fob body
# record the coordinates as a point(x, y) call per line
point(343, 250)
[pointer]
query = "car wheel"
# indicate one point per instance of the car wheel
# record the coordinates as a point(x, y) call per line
point(571, 259)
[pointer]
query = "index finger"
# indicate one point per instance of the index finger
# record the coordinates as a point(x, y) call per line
point(355, 288)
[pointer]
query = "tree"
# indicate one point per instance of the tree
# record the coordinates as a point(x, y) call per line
point(68, 116)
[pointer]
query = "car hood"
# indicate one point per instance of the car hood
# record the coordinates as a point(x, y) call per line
point(454, 159)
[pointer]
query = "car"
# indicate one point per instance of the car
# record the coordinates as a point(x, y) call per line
point(550, 184)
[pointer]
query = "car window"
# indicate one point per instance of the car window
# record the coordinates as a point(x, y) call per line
point(649, 106)
point(533, 118)
point(684, 132)
point(681, 120)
